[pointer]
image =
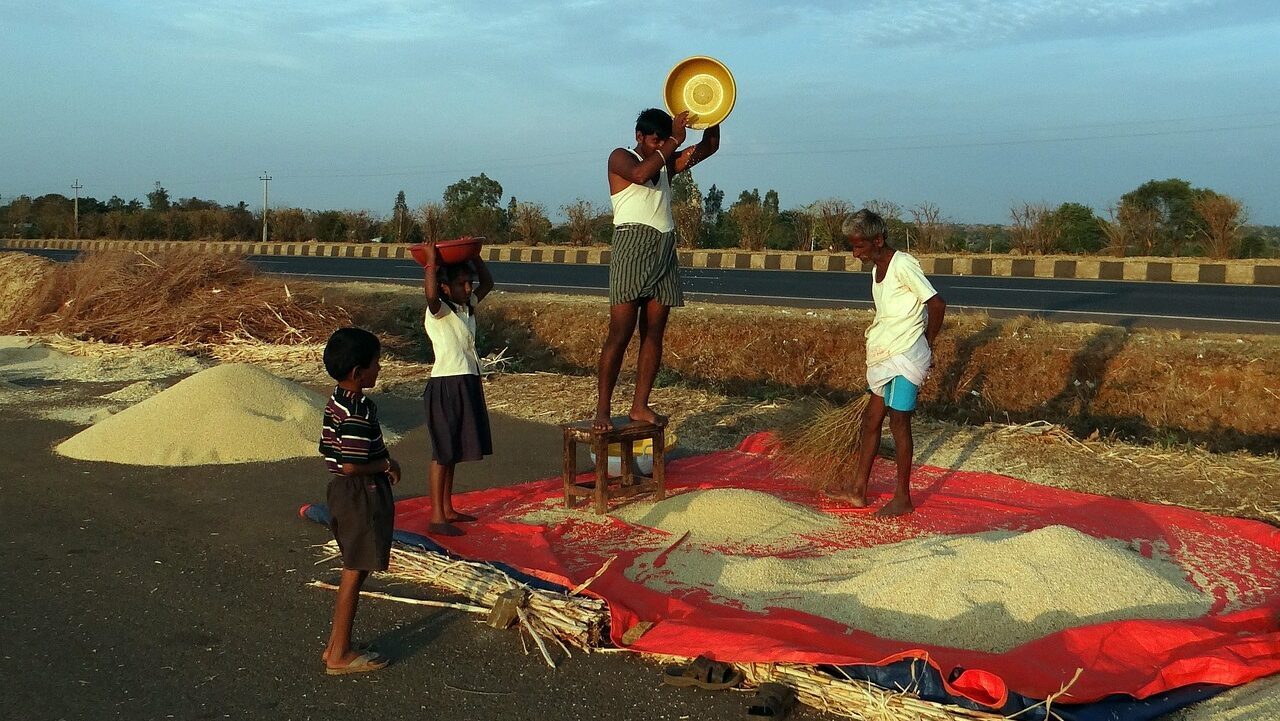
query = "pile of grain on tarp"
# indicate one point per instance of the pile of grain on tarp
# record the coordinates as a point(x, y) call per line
point(1257, 701)
point(988, 591)
point(729, 515)
point(226, 414)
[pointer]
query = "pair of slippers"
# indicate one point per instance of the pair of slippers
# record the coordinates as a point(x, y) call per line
point(702, 673)
point(772, 700)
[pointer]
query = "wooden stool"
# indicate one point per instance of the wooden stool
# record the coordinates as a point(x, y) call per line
point(625, 432)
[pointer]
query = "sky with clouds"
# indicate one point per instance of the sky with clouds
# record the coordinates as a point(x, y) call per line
point(969, 104)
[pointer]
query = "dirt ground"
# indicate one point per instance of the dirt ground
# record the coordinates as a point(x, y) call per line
point(153, 593)
point(137, 592)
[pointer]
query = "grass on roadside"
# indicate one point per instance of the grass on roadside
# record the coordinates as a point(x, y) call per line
point(176, 297)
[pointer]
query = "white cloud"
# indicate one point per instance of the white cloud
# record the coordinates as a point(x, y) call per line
point(993, 22)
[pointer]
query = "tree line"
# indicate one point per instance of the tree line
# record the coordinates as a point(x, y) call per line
point(1161, 217)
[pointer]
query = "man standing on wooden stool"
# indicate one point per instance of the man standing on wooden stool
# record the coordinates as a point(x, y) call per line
point(644, 271)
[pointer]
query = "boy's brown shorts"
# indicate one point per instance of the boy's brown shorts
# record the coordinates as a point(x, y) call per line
point(361, 516)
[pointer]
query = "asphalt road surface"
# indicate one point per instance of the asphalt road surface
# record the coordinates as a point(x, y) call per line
point(1187, 306)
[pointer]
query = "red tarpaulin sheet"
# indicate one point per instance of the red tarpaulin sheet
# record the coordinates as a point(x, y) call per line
point(1238, 641)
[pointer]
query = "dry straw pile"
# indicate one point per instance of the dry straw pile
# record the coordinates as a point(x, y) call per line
point(178, 297)
point(20, 276)
point(1140, 383)
point(1144, 383)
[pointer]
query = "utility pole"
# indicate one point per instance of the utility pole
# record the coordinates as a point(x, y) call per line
point(266, 180)
point(76, 186)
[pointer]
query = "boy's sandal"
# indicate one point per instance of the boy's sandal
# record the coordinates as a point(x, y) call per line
point(358, 648)
point(367, 661)
point(772, 700)
point(702, 672)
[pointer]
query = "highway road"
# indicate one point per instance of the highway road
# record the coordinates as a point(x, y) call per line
point(1187, 306)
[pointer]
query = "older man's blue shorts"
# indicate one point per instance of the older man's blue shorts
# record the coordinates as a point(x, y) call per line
point(899, 394)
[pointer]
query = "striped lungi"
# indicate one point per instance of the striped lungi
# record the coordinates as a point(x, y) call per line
point(643, 264)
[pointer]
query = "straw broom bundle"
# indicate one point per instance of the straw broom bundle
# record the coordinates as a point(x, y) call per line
point(825, 447)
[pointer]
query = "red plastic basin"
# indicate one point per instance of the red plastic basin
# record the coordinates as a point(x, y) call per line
point(449, 252)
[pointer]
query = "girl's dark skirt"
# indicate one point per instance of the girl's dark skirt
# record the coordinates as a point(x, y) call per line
point(457, 419)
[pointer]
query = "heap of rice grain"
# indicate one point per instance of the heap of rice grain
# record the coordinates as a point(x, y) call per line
point(1257, 701)
point(134, 392)
point(226, 414)
point(989, 591)
point(729, 516)
point(24, 357)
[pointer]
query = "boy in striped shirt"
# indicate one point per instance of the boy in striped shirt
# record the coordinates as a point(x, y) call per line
point(361, 508)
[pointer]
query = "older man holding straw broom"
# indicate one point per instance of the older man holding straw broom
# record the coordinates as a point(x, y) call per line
point(900, 339)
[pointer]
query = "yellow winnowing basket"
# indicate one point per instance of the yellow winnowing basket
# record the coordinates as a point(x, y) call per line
point(704, 87)
point(644, 447)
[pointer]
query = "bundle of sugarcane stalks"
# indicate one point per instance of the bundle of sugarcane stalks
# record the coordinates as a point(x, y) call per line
point(546, 615)
point(824, 448)
point(581, 621)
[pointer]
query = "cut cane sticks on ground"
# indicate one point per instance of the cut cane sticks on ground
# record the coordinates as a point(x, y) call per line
point(603, 567)
point(469, 608)
point(825, 448)
point(581, 621)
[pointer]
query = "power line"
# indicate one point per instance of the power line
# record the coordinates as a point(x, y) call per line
point(570, 159)
point(1270, 115)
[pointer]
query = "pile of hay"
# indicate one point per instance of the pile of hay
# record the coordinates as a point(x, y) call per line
point(226, 414)
point(20, 276)
point(988, 591)
point(185, 298)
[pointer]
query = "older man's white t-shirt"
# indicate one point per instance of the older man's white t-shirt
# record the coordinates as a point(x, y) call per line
point(895, 340)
